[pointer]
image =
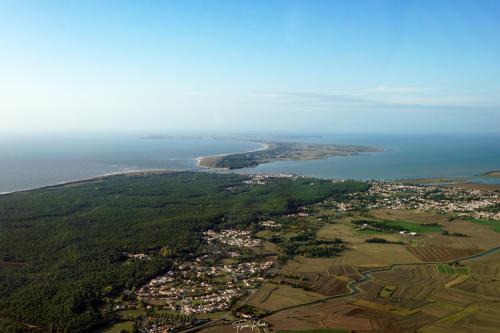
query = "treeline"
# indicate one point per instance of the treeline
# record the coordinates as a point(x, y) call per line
point(61, 248)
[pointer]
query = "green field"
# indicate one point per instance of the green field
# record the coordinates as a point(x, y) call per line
point(394, 226)
point(447, 269)
point(413, 227)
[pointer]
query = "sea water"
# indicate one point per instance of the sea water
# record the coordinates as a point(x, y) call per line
point(29, 161)
point(404, 156)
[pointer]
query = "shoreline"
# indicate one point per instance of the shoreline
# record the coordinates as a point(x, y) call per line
point(438, 181)
point(199, 159)
point(131, 172)
point(93, 178)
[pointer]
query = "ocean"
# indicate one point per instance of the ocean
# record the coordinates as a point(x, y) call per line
point(32, 161)
point(405, 156)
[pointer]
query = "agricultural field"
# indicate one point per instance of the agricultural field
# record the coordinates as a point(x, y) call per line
point(345, 231)
point(447, 269)
point(440, 254)
point(375, 255)
point(409, 296)
point(271, 297)
point(323, 272)
point(387, 291)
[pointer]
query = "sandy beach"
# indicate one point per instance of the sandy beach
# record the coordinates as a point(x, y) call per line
point(201, 159)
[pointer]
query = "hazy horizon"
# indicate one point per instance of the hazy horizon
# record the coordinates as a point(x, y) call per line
point(261, 66)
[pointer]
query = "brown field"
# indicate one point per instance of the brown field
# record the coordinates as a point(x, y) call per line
point(458, 297)
point(370, 290)
point(409, 215)
point(359, 316)
point(479, 317)
point(332, 314)
point(414, 284)
point(420, 302)
point(440, 310)
point(321, 284)
point(304, 265)
point(272, 297)
point(329, 286)
point(491, 289)
point(375, 255)
point(487, 267)
point(485, 279)
point(346, 231)
point(414, 321)
point(480, 236)
point(342, 270)
point(440, 254)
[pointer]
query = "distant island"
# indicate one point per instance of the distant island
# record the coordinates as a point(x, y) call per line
point(281, 151)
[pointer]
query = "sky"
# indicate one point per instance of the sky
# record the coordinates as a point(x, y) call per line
point(304, 66)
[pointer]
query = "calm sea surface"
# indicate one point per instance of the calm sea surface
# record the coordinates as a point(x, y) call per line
point(405, 156)
point(34, 161)
point(28, 162)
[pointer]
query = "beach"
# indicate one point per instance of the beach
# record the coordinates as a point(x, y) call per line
point(205, 161)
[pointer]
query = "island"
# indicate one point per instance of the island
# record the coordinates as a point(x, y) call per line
point(281, 151)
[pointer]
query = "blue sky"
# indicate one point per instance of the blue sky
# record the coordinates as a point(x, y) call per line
point(376, 66)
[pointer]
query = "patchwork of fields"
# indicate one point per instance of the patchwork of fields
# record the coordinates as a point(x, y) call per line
point(423, 283)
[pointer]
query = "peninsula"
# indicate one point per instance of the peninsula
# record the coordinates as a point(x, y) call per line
point(495, 174)
point(281, 151)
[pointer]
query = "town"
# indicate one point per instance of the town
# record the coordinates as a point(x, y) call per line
point(454, 201)
point(210, 283)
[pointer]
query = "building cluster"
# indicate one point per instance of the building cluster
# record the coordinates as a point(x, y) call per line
point(257, 179)
point(459, 202)
point(209, 283)
point(261, 179)
point(270, 224)
point(202, 287)
point(231, 237)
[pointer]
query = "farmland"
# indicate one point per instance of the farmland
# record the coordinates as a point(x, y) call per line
point(280, 253)
point(414, 281)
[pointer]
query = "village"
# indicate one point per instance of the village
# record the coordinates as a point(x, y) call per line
point(455, 201)
point(228, 271)
point(210, 283)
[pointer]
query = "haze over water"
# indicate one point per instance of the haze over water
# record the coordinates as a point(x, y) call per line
point(34, 161)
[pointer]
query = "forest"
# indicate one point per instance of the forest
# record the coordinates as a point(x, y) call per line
point(63, 249)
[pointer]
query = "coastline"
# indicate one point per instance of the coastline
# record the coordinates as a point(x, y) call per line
point(130, 172)
point(275, 151)
point(200, 159)
point(94, 178)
